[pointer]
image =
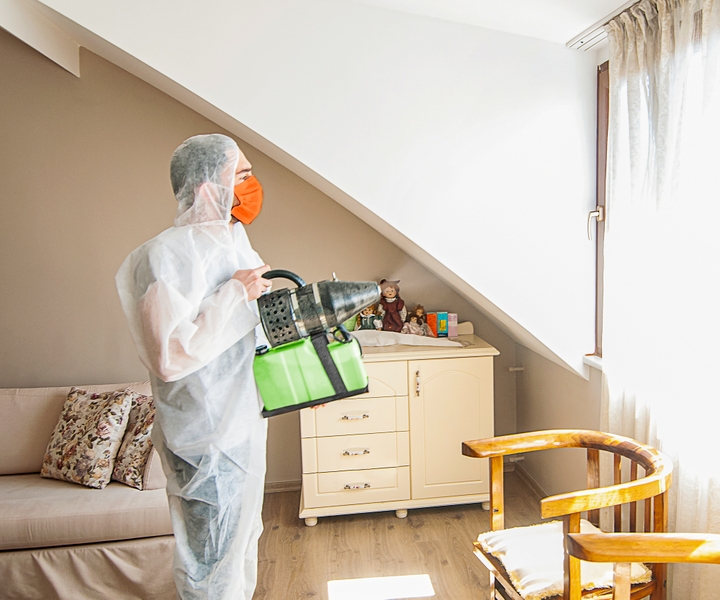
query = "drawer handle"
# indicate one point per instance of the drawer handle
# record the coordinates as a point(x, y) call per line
point(355, 417)
point(417, 383)
point(357, 486)
point(356, 452)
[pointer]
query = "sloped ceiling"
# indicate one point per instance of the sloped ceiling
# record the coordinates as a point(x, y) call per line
point(463, 130)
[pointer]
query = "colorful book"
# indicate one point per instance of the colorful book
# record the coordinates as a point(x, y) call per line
point(442, 324)
point(432, 322)
point(452, 324)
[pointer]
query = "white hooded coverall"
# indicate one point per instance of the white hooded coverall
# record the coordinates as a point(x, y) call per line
point(195, 332)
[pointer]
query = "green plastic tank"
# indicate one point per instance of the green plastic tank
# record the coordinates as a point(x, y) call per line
point(291, 376)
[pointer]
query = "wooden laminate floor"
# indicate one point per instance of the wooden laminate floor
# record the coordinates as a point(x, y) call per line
point(296, 562)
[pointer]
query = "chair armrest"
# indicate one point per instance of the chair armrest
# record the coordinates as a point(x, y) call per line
point(604, 497)
point(645, 547)
point(519, 443)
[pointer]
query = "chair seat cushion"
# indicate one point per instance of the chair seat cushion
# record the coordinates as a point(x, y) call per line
point(39, 513)
point(533, 558)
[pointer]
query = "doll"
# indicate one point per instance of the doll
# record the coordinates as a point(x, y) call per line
point(413, 325)
point(369, 319)
point(391, 306)
point(425, 327)
point(419, 312)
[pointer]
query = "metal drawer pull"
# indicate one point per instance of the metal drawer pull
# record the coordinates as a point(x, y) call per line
point(357, 486)
point(356, 452)
point(417, 383)
point(355, 417)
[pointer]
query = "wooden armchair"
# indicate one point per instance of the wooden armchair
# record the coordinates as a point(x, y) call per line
point(625, 548)
point(645, 493)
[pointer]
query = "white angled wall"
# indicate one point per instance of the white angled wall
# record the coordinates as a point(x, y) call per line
point(476, 147)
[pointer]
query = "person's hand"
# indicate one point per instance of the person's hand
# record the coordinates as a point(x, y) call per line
point(253, 282)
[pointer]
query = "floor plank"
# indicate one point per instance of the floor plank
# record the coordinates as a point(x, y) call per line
point(296, 562)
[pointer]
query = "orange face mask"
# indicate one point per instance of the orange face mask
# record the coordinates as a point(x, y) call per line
point(250, 194)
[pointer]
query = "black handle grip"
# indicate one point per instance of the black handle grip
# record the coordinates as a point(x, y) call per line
point(282, 273)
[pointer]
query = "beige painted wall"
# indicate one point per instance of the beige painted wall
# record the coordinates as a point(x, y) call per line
point(550, 397)
point(84, 171)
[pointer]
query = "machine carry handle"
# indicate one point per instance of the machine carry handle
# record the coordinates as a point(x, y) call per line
point(282, 273)
point(342, 335)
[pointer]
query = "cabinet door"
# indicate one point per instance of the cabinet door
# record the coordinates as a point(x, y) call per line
point(451, 401)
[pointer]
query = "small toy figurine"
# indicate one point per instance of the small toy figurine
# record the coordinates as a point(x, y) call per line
point(419, 310)
point(391, 306)
point(369, 319)
point(413, 325)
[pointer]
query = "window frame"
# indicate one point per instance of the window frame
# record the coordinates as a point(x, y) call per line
point(603, 113)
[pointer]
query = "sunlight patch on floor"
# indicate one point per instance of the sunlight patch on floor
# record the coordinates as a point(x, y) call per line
point(381, 588)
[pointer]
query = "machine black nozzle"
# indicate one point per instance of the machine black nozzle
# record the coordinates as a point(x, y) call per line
point(290, 315)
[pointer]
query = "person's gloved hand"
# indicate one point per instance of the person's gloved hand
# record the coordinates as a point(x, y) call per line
point(253, 282)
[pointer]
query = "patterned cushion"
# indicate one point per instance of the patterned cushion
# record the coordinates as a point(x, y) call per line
point(136, 446)
point(87, 437)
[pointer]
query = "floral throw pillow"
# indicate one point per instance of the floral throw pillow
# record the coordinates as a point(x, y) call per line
point(87, 437)
point(136, 446)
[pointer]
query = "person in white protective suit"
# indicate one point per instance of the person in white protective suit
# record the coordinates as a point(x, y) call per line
point(188, 295)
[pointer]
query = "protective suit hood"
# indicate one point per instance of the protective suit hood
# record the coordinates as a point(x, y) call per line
point(202, 173)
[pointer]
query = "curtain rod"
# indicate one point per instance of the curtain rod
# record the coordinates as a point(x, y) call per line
point(596, 34)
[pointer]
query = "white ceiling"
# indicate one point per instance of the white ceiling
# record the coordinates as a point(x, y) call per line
point(554, 20)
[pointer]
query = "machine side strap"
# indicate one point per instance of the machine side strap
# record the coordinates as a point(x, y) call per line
point(320, 344)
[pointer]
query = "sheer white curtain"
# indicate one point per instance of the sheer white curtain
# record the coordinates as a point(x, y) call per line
point(661, 339)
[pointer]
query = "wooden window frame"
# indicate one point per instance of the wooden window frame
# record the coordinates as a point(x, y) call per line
point(603, 112)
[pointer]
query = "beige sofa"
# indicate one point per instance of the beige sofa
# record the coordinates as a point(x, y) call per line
point(63, 540)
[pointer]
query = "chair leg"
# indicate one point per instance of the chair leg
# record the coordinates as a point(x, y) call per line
point(497, 592)
point(660, 575)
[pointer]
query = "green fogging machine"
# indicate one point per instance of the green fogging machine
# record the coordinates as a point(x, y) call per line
point(303, 367)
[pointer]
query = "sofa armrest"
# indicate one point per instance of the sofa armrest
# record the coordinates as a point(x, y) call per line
point(154, 477)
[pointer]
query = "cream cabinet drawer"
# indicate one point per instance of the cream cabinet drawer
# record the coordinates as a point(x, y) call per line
point(356, 487)
point(355, 452)
point(356, 415)
point(386, 379)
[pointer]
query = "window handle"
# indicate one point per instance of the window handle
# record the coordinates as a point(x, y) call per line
point(599, 214)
